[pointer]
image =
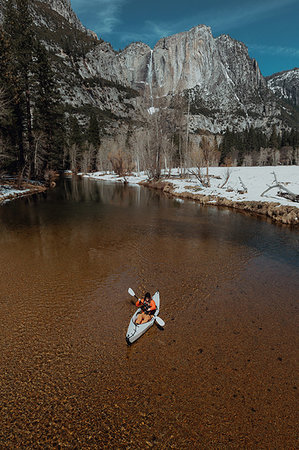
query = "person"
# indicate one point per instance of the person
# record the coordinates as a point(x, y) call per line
point(148, 307)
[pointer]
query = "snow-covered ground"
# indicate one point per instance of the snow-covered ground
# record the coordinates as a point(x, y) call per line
point(8, 192)
point(254, 179)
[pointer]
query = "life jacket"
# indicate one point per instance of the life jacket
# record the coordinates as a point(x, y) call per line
point(147, 307)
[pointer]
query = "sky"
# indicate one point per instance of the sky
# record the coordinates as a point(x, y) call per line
point(269, 28)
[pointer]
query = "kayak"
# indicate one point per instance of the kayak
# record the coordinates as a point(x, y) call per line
point(136, 331)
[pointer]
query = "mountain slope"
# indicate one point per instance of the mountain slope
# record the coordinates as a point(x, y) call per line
point(67, 42)
point(286, 85)
point(221, 82)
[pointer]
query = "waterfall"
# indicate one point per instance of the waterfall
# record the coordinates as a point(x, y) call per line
point(150, 78)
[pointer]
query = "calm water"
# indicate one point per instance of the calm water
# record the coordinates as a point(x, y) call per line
point(229, 296)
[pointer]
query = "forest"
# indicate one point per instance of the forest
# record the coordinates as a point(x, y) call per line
point(40, 135)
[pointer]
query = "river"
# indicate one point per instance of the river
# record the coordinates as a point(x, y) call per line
point(222, 373)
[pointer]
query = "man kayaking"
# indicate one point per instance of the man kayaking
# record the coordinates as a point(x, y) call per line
point(148, 307)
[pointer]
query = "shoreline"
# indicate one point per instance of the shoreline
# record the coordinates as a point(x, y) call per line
point(280, 211)
point(279, 214)
point(251, 190)
point(10, 192)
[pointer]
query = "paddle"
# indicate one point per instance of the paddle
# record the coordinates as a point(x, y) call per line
point(159, 321)
point(131, 292)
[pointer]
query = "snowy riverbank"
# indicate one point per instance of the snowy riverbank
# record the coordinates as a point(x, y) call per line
point(235, 187)
point(9, 191)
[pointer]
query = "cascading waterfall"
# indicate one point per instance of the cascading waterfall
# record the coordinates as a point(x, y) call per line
point(150, 78)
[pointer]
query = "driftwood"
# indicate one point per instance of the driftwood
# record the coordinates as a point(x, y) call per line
point(243, 186)
point(227, 175)
point(284, 192)
point(292, 197)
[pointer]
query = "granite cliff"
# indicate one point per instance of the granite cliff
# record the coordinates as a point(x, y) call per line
point(222, 84)
point(285, 85)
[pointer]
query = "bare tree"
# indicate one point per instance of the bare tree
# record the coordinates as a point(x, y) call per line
point(226, 177)
point(73, 154)
point(296, 155)
point(263, 157)
point(87, 158)
point(247, 160)
point(40, 141)
point(122, 163)
point(195, 161)
point(207, 151)
point(286, 155)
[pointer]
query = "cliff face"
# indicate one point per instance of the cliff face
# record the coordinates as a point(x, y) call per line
point(285, 85)
point(223, 85)
point(63, 7)
point(68, 42)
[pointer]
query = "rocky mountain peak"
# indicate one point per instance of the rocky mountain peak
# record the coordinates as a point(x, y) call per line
point(223, 84)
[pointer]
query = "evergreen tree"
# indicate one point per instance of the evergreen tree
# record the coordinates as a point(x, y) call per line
point(48, 117)
point(6, 80)
point(226, 146)
point(75, 132)
point(18, 29)
point(93, 131)
point(29, 82)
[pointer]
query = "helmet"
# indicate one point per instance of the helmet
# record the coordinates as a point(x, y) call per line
point(147, 296)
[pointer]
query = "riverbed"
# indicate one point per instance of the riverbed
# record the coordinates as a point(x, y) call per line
point(222, 373)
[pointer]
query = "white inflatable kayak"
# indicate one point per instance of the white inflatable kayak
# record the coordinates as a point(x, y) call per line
point(135, 331)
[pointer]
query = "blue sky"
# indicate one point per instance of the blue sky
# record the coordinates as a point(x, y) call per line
point(269, 28)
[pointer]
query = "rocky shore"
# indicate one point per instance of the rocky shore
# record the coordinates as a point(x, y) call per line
point(283, 214)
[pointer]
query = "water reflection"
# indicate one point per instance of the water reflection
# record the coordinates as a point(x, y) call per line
point(80, 210)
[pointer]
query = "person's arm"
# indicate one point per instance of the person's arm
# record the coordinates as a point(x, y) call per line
point(152, 307)
point(138, 303)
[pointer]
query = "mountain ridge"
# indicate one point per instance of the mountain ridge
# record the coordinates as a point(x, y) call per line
point(223, 85)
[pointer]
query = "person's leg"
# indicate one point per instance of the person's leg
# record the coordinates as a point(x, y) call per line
point(139, 319)
point(146, 318)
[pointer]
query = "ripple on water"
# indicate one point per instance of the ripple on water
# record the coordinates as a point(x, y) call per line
point(228, 288)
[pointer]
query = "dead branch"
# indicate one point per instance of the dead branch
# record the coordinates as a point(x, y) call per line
point(284, 192)
point(243, 185)
point(199, 176)
point(227, 176)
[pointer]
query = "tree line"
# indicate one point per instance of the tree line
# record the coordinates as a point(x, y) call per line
point(36, 132)
point(39, 135)
point(32, 122)
point(253, 147)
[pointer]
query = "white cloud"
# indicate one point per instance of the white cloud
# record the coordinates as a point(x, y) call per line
point(106, 12)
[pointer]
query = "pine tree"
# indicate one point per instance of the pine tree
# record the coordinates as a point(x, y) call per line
point(226, 146)
point(18, 29)
point(93, 131)
point(48, 116)
point(75, 132)
point(12, 131)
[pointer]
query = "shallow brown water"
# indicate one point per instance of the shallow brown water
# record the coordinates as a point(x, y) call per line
point(222, 374)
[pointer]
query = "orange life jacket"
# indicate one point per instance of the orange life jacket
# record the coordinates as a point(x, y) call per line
point(147, 307)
